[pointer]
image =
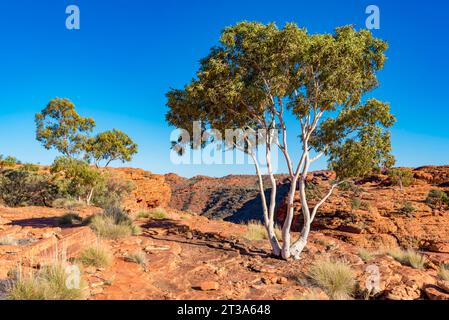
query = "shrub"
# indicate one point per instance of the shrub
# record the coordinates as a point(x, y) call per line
point(68, 203)
point(138, 257)
point(96, 256)
point(111, 191)
point(335, 278)
point(113, 223)
point(365, 255)
point(400, 177)
point(409, 258)
point(443, 272)
point(7, 162)
point(30, 167)
point(70, 219)
point(357, 204)
point(49, 283)
point(155, 214)
point(78, 179)
point(408, 209)
point(24, 188)
point(8, 241)
point(437, 198)
point(313, 191)
point(257, 231)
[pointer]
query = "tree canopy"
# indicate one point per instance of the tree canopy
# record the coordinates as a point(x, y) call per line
point(109, 146)
point(59, 126)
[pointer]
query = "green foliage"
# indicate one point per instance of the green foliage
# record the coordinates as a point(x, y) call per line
point(19, 187)
point(110, 192)
point(78, 179)
point(408, 209)
point(110, 146)
point(400, 177)
point(49, 283)
point(59, 126)
point(97, 256)
point(409, 257)
point(357, 203)
point(335, 278)
point(313, 191)
point(114, 224)
point(30, 167)
point(8, 162)
point(258, 68)
point(437, 198)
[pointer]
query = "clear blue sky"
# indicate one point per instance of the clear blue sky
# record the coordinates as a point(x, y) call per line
point(126, 56)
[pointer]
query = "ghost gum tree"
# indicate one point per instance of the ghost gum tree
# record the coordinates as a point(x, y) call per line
point(259, 75)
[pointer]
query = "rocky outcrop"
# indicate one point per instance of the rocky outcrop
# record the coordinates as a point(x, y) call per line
point(150, 190)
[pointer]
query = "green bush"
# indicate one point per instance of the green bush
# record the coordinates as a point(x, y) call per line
point(77, 178)
point(408, 209)
point(437, 198)
point(25, 188)
point(313, 192)
point(8, 162)
point(400, 177)
point(30, 167)
point(335, 278)
point(111, 191)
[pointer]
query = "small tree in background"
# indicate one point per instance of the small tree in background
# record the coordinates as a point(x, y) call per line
point(59, 126)
point(110, 146)
point(259, 73)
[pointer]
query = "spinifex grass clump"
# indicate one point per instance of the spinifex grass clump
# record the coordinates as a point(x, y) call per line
point(409, 258)
point(154, 214)
point(335, 278)
point(96, 256)
point(48, 283)
point(138, 257)
point(257, 231)
point(8, 241)
point(443, 272)
point(113, 223)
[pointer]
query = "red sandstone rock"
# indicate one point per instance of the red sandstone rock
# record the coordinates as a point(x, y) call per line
point(209, 286)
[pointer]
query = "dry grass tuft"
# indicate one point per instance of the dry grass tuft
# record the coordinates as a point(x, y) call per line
point(335, 278)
